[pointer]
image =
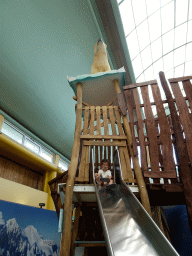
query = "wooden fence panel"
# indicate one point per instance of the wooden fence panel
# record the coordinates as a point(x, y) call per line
point(152, 137)
point(185, 117)
point(165, 136)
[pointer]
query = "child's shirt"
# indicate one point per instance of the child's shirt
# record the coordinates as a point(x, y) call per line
point(105, 174)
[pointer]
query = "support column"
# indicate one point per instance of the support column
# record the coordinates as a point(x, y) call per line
point(49, 176)
point(137, 169)
point(66, 236)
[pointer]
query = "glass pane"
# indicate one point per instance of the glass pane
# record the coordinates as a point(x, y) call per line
point(11, 132)
point(152, 6)
point(133, 44)
point(127, 16)
point(155, 26)
point(63, 165)
point(189, 52)
point(31, 145)
point(169, 74)
point(167, 16)
point(189, 33)
point(137, 66)
point(141, 78)
point(139, 10)
point(165, 2)
point(47, 155)
point(179, 71)
point(168, 62)
point(181, 11)
point(179, 56)
point(146, 57)
point(168, 42)
point(188, 68)
point(158, 66)
point(180, 35)
point(156, 48)
point(190, 10)
point(143, 35)
point(149, 74)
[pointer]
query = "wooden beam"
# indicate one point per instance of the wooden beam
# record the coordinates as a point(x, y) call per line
point(84, 103)
point(179, 79)
point(75, 228)
point(131, 86)
point(90, 244)
point(96, 137)
point(160, 174)
point(137, 169)
point(66, 236)
point(105, 143)
point(111, 103)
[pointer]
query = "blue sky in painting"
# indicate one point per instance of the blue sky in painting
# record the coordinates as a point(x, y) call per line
point(45, 221)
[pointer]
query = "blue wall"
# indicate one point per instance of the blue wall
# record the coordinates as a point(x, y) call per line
point(180, 234)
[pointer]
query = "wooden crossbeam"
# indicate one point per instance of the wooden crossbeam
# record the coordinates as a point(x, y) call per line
point(105, 143)
point(112, 137)
point(167, 174)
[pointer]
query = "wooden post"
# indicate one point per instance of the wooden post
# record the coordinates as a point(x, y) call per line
point(66, 236)
point(49, 176)
point(181, 149)
point(137, 169)
point(75, 228)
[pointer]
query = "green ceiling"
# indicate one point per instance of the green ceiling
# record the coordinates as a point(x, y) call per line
point(43, 42)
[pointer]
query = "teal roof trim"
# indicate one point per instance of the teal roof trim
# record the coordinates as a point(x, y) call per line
point(98, 89)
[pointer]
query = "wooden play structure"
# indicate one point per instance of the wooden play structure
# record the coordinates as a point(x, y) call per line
point(151, 127)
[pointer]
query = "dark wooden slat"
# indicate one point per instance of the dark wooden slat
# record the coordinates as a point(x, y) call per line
point(188, 90)
point(144, 165)
point(131, 86)
point(121, 103)
point(179, 79)
point(151, 132)
point(168, 174)
point(184, 116)
point(130, 105)
point(165, 134)
point(118, 119)
point(181, 149)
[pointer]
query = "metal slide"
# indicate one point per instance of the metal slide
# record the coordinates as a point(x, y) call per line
point(128, 228)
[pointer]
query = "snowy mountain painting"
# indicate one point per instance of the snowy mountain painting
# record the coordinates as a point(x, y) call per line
point(27, 231)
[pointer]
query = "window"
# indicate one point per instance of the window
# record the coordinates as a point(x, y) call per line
point(14, 133)
point(63, 165)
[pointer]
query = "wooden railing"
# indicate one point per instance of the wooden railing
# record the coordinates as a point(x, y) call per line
point(151, 126)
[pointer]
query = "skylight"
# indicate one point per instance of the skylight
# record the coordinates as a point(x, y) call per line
point(159, 37)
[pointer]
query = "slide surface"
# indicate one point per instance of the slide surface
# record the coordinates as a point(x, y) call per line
point(128, 228)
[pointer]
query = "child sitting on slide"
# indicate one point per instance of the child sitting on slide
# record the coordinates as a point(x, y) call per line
point(104, 173)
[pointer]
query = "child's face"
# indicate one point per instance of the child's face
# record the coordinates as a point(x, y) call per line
point(105, 166)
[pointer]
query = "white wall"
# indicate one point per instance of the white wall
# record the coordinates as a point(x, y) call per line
point(20, 194)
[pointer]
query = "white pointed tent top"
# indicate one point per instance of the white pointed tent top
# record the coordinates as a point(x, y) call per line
point(98, 89)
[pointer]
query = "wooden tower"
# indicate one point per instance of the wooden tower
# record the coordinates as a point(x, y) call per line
point(107, 127)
